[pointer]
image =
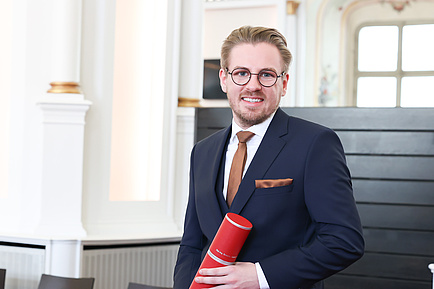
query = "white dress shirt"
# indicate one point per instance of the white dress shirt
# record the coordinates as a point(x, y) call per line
point(252, 146)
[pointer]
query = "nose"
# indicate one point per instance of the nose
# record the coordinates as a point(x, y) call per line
point(253, 84)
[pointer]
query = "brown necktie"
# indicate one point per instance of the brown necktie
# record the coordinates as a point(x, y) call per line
point(238, 163)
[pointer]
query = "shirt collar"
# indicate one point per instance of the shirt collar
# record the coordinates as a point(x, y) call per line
point(258, 129)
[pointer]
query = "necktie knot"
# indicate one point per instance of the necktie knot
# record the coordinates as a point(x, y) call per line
point(244, 136)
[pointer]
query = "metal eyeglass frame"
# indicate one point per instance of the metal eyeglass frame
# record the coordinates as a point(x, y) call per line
point(250, 76)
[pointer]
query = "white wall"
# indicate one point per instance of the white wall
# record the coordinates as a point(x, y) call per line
point(28, 75)
point(219, 22)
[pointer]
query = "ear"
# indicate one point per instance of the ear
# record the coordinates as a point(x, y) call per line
point(223, 77)
point(285, 83)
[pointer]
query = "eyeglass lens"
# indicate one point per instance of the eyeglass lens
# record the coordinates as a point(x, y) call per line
point(241, 76)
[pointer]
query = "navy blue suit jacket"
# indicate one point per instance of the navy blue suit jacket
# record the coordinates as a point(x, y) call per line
point(303, 232)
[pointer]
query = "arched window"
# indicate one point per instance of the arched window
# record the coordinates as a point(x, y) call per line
point(388, 55)
point(394, 65)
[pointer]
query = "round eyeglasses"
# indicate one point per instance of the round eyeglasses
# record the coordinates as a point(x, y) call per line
point(266, 77)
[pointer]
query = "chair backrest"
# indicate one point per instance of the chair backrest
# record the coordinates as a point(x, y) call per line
point(57, 282)
point(132, 285)
point(2, 278)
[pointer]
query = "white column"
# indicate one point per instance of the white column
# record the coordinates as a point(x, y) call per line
point(291, 37)
point(189, 95)
point(184, 144)
point(294, 12)
point(65, 62)
point(62, 166)
point(64, 109)
point(63, 258)
point(191, 59)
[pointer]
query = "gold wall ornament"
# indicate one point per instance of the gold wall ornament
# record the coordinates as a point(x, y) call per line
point(291, 7)
point(188, 102)
point(64, 87)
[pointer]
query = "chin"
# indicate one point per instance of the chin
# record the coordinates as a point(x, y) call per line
point(251, 119)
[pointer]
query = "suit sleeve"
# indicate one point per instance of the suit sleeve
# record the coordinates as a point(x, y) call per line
point(338, 239)
point(190, 250)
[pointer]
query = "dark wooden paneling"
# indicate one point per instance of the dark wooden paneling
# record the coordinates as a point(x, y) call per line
point(399, 242)
point(397, 217)
point(392, 119)
point(391, 167)
point(391, 266)
point(415, 119)
point(213, 117)
point(394, 192)
point(388, 142)
point(390, 152)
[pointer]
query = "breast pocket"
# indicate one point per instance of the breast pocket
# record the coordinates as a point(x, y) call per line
point(273, 187)
point(272, 183)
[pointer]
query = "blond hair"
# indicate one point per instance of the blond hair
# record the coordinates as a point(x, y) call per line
point(254, 35)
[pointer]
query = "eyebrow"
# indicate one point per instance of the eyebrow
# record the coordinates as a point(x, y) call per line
point(262, 69)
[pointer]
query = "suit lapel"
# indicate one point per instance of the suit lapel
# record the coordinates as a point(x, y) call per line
point(269, 149)
point(208, 205)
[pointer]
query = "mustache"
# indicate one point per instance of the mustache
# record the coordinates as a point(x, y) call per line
point(253, 94)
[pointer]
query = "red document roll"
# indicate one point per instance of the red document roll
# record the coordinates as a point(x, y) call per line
point(226, 245)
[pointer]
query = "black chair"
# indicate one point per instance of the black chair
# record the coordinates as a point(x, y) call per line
point(2, 278)
point(56, 282)
point(132, 285)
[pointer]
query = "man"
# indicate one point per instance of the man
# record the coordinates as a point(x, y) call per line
point(305, 223)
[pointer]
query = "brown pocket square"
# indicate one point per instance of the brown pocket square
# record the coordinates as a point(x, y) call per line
point(261, 184)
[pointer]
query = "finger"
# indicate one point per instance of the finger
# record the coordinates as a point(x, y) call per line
point(220, 271)
point(210, 280)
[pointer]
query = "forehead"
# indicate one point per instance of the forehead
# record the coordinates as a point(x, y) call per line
point(255, 56)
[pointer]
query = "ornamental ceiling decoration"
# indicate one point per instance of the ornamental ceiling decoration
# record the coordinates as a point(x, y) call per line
point(398, 5)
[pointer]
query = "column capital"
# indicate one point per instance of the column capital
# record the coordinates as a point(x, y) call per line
point(64, 87)
point(291, 7)
point(188, 102)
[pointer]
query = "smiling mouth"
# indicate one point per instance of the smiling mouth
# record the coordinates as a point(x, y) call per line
point(252, 100)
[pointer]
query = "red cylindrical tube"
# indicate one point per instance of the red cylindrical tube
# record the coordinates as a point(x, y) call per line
point(226, 245)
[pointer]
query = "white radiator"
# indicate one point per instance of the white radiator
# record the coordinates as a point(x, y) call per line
point(114, 268)
point(24, 266)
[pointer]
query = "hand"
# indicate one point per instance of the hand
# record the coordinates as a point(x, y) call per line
point(241, 275)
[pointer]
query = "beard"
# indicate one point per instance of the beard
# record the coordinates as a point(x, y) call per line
point(249, 116)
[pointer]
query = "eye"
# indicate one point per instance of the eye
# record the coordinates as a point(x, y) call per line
point(241, 72)
point(267, 74)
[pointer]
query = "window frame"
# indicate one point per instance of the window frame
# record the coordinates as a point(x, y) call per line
point(398, 73)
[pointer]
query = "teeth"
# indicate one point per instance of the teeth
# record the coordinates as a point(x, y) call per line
point(252, 99)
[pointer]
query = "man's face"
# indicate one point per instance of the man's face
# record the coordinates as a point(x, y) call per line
point(253, 103)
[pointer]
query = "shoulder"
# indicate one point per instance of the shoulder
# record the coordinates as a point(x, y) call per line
point(305, 132)
point(297, 124)
point(212, 144)
point(217, 136)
